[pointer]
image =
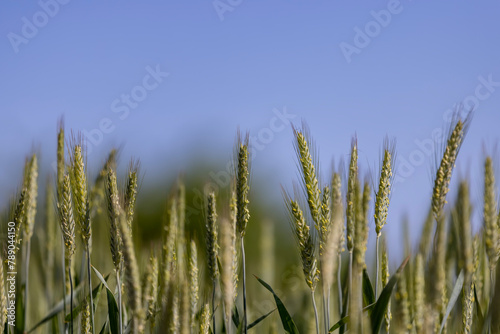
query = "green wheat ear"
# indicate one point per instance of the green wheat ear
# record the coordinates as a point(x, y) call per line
point(305, 243)
point(131, 192)
point(97, 194)
point(384, 188)
point(151, 292)
point(303, 145)
point(66, 219)
point(242, 185)
point(168, 259)
point(80, 195)
point(19, 216)
point(491, 230)
point(114, 215)
point(211, 237)
point(445, 169)
point(361, 232)
point(337, 211)
point(351, 195)
point(462, 214)
point(403, 305)
point(325, 221)
point(205, 320)
point(60, 158)
point(30, 181)
point(85, 325)
point(426, 235)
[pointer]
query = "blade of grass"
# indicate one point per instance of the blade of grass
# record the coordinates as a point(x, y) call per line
point(113, 313)
point(453, 298)
point(377, 316)
point(259, 319)
point(287, 321)
point(479, 313)
point(368, 293)
point(344, 320)
point(95, 294)
point(59, 307)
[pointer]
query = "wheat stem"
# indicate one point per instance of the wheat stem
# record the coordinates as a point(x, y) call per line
point(377, 268)
point(244, 286)
point(315, 311)
point(71, 300)
point(119, 288)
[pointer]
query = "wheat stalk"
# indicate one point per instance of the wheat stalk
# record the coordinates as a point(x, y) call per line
point(439, 291)
point(385, 275)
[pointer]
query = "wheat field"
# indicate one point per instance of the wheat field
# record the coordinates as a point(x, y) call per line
point(75, 258)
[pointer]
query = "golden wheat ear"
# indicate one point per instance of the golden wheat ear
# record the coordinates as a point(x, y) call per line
point(211, 236)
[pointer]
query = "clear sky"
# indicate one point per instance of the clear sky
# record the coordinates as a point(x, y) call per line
point(167, 80)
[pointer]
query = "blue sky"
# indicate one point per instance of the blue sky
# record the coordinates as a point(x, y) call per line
point(239, 63)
